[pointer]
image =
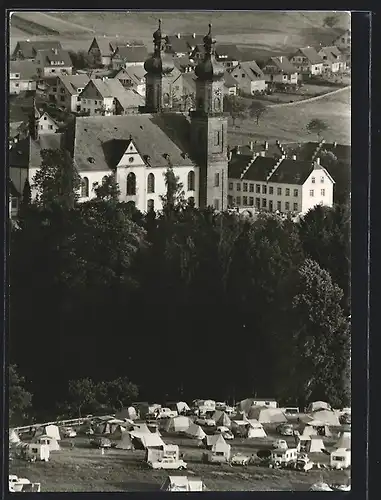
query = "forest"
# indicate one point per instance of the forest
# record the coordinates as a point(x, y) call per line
point(183, 304)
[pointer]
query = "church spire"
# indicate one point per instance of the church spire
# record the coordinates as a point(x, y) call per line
point(154, 68)
point(209, 68)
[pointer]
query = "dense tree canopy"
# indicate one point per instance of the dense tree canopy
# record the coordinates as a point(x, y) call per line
point(185, 302)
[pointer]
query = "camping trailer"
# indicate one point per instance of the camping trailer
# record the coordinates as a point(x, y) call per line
point(36, 451)
point(340, 458)
point(49, 441)
point(282, 457)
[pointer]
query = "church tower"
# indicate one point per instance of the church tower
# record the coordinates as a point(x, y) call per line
point(154, 68)
point(209, 130)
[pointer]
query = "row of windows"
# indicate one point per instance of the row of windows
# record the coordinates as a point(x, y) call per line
point(312, 192)
point(131, 184)
point(249, 202)
point(313, 180)
point(250, 187)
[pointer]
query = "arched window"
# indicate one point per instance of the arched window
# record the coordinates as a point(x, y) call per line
point(150, 183)
point(166, 99)
point(131, 184)
point(191, 201)
point(150, 205)
point(85, 187)
point(104, 180)
point(191, 181)
point(217, 104)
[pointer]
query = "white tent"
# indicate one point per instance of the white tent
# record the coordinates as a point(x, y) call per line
point(52, 431)
point(255, 430)
point(327, 417)
point(221, 419)
point(218, 446)
point(13, 437)
point(148, 439)
point(344, 440)
point(51, 442)
point(183, 483)
point(318, 405)
point(124, 442)
point(178, 424)
point(117, 434)
point(266, 415)
point(181, 406)
point(311, 429)
point(195, 432)
point(310, 444)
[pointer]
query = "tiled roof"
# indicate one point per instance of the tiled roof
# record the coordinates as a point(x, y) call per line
point(333, 53)
point(311, 54)
point(182, 62)
point(189, 81)
point(27, 69)
point(292, 172)
point(237, 165)
point(193, 40)
point(136, 73)
point(260, 169)
point(177, 45)
point(132, 54)
point(45, 141)
point(19, 154)
point(252, 70)
point(29, 49)
point(104, 139)
point(229, 50)
point(112, 87)
point(50, 55)
point(283, 64)
point(130, 99)
point(229, 80)
point(106, 47)
point(74, 82)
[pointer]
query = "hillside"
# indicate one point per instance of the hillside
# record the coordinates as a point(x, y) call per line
point(264, 30)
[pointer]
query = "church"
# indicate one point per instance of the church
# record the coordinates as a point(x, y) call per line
point(139, 148)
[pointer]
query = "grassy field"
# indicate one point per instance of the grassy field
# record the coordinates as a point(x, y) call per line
point(83, 468)
point(288, 124)
point(267, 32)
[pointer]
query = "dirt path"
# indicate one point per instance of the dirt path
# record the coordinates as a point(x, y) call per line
point(310, 99)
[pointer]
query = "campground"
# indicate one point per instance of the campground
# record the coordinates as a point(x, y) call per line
point(81, 468)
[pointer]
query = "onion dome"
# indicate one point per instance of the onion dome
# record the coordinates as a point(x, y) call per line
point(209, 68)
point(154, 64)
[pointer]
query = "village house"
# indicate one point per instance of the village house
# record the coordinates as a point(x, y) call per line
point(102, 50)
point(230, 84)
point(28, 50)
point(307, 61)
point(343, 41)
point(182, 44)
point(278, 184)
point(228, 55)
point(133, 77)
point(45, 124)
point(332, 59)
point(53, 62)
point(249, 77)
point(279, 71)
point(108, 97)
point(184, 64)
point(129, 56)
point(22, 76)
point(65, 91)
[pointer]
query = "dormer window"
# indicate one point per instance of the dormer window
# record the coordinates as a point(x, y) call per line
point(90, 159)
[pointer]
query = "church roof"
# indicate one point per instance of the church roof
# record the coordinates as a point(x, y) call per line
point(104, 139)
point(132, 53)
point(292, 172)
point(259, 169)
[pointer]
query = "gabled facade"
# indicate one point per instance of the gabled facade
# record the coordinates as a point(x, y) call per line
point(249, 77)
point(133, 77)
point(65, 91)
point(102, 50)
point(28, 50)
point(280, 71)
point(46, 124)
point(332, 59)
point(53, 62)
point(307, 61)
point(99, 97)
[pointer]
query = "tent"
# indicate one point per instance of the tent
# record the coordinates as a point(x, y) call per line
point(195, 432)
point(344, 440)
point(109, 427)
point(318, 405)
point(310, 444)
point(178, 424)
point(127, 413)
point(327, 417)
point(266, 415)
point(221, 419)
point(255, 430)
point(182, 407)
point(13, 437)
point(52, 431)
point(218, 446)
point(183, 483)
point(340, 458)
point(147, 439)
point(124, 442)
point(51, 442)
point(245, 405)
point(315, 428)
point(117, 434)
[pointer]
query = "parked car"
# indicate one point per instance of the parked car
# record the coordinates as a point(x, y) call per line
point(206, 422)
point(16, 483)
point(240, 459)
point(68, 432)
point(285, 430)
point(304, 464)
point(226, 433)
point(168, 463)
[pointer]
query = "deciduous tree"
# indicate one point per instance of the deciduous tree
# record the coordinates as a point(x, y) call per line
point(235, 106)
point(317, 126)
point(256, 110)
point(19, 398)
point(82, 393)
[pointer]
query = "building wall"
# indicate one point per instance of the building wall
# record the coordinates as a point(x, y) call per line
point(322, 181)
point(291, 79)
point(49, 71)
point(16, 86)
point(46, 125)
point(93, 106)
point(93, 177)
point(258, 86)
